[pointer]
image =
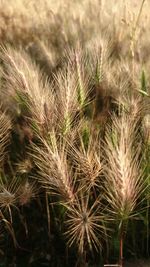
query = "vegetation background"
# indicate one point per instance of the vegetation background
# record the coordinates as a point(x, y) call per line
point(74, 133)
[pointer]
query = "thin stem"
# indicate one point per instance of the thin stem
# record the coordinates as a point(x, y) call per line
point(148, 232)
point(121, 248)
point(10, 214)
point(48, 213)
point(133, 37)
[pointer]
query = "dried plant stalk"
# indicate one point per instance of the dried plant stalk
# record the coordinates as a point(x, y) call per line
point(5, 128)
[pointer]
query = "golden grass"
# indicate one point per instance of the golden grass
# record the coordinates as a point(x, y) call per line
point(75, 88)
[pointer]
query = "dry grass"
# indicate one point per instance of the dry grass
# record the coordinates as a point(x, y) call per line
point(74, 121)
point(53, 168)
point(85, 222)
point(5, 130)
point(124, 182)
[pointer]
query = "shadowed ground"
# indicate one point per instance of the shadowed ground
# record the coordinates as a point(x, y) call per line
point(138, 263)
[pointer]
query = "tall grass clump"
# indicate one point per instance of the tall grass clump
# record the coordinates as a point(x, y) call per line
point(74, 132)
point(125, 184)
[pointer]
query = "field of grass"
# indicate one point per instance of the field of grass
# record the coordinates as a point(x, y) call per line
point(74, 133)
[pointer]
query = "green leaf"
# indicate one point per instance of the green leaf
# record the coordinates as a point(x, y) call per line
point(143, 89)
